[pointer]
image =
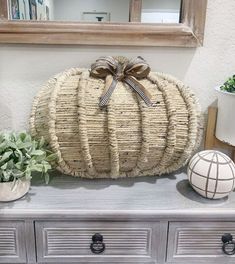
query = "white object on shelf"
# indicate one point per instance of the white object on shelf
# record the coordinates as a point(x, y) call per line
point(225, 126)
point(10, 191)
point(212, 174)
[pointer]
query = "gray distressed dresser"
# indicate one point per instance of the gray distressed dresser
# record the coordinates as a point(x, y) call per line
point(142, 220)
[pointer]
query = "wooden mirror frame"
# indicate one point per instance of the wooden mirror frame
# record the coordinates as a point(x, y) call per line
point(188, 33)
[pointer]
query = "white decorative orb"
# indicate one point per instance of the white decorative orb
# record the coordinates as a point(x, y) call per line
point(212, 174)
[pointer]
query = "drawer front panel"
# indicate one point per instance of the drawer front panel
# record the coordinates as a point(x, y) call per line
point(70, 240)
point(12, 242)
point(197, 241)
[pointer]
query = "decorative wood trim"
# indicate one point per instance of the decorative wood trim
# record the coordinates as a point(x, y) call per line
point(99, 34)
point(135, 10)
point(210, 140)
point(193, 14)
point(188, 33)
point(3, 9)
point(210, 130)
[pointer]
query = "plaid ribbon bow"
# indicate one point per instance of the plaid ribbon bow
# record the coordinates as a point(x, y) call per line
point(129, 73)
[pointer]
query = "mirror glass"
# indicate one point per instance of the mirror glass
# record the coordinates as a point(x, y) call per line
point(153, 11)
point(160, 11)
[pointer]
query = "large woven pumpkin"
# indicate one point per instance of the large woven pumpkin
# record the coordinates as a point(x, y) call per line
point(126, 138)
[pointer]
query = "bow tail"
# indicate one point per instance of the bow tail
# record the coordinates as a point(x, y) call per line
point(110, 85)
point(139, 88)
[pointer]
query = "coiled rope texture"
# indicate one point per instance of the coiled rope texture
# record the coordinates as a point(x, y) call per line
point(124, 139)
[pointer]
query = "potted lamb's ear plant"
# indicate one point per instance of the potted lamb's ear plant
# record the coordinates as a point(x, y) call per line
point(225, 128)
point(20, 156)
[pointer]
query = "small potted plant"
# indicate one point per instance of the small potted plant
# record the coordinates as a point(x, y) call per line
point(20, 156)
point(225, 128)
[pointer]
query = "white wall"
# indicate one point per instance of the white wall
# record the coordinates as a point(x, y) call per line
point(73, 9)
point(161, 4)
point(24, 68)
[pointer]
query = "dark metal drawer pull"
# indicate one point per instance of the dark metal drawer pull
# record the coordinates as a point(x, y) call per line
point(97, 246)
point(228, 244)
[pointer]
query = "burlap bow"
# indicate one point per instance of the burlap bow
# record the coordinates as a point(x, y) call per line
point(129, 73)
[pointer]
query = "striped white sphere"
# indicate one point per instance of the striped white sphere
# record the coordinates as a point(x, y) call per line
point(212, 174)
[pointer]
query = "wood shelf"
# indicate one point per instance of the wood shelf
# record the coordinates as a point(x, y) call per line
point(210, 140)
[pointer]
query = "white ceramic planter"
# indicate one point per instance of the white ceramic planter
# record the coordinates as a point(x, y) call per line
point(225, 127)
point(10, 192)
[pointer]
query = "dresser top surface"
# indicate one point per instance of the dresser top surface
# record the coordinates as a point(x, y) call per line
point(153, 196)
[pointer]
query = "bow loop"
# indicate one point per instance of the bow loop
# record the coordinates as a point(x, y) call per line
point(138, 68)
point(127, 72)
point(103, 67)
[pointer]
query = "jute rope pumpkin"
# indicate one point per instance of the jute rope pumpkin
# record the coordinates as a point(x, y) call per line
point(125, 138)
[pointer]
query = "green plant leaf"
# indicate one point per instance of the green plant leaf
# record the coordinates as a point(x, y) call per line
point(3, 146)
point(37, 167)
point(47, 178)
point(41, 142)
point(12, 144)
point(51, 157)
point(6, 156)
point(10, 164)
point(20, 155)
point(27, 156)
point(22, 136)
point(46, 167)
point(23, 145)
point(7, 175)
point(14, 185)
point(4, 166)
point(28, 173)
point(19, 165)
point(229, 85)
point(37, 152)
point(17, 173)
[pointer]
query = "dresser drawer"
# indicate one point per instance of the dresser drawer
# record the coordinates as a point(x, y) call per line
point(198, 242)
point(135, 242)
point(12, 242)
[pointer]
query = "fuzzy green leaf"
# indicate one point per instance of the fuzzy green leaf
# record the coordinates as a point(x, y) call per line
point(47, 178)
point(5, 156)
point(4, 166)
point(51, 157)
point(24, 145)
point(20, 155)
point(37, 152)
point(41, 142)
